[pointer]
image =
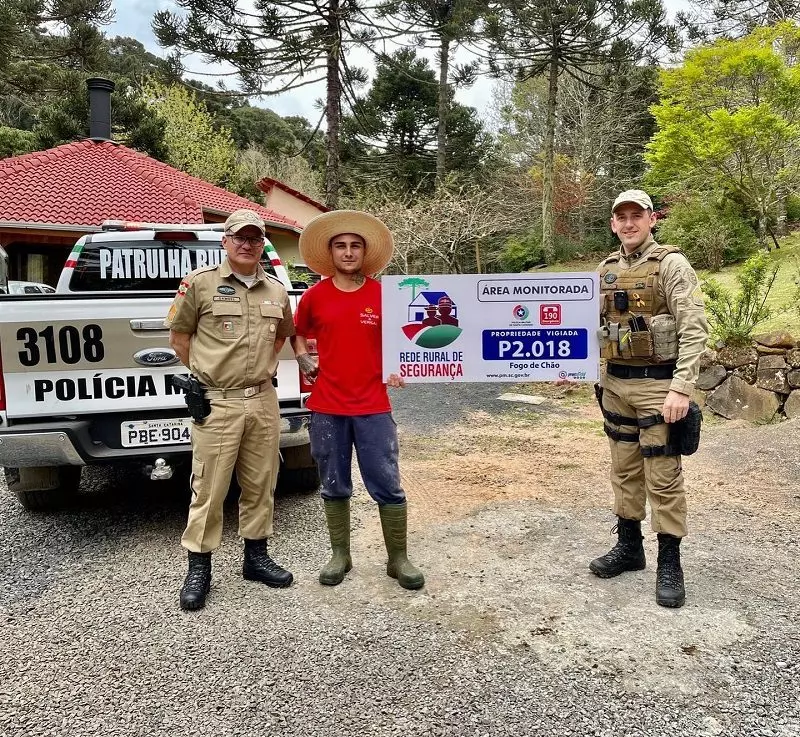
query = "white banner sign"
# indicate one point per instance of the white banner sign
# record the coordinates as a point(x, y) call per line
point(491, 327)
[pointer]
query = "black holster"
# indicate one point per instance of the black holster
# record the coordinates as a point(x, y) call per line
point(195, 396)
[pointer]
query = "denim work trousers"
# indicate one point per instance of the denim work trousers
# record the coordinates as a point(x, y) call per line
point(375, 441)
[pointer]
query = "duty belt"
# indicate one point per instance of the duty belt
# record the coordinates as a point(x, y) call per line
point(245, 393)
point(658, 371)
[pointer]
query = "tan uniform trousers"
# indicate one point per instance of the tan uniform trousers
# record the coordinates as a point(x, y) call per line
point(634, 477)
point(243, 434)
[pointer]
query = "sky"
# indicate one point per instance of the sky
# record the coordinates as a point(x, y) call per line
point(133, 19)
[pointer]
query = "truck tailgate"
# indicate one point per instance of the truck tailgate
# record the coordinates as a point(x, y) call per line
point(66, 356)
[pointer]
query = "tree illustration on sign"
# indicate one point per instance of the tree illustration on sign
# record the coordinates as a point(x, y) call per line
point(415, 283)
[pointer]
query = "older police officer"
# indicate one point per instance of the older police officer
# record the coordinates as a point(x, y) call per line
point(653, 333)
point(227, 324)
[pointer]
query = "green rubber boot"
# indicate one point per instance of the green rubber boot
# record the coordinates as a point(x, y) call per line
point(394, 521)
point(337, 513)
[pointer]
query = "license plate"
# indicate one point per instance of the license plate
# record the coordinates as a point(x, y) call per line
point(143, 433)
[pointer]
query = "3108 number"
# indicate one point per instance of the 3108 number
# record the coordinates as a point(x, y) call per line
point(69, 345)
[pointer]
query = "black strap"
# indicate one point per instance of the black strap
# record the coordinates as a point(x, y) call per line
point(657, 419)
point(619, 419)
point(621, 437)
point(656, 371)
point(653, 451)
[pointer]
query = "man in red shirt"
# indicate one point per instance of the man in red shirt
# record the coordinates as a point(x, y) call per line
point(349, 403)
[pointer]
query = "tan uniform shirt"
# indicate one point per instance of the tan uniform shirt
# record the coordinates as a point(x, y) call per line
point(233, 328)
point(679, 287)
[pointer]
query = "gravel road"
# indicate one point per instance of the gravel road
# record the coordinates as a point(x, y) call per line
point(511, 636)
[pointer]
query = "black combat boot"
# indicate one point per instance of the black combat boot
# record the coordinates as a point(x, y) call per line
point(669, 575)
point(626, 555)
point(198, 581)
point(258, 566)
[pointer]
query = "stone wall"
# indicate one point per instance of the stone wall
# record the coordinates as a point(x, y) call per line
point(759, 382)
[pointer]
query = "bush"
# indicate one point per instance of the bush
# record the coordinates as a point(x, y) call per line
point(523, 252)
point(710, 235)
point(733, 317)
point(793, 208)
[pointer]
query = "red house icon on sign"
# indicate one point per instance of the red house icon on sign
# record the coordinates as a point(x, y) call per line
point(549, 314)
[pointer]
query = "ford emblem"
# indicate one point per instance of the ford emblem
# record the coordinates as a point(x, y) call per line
point(156, 357)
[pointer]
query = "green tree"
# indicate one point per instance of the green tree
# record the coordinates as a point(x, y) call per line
point(278, 47)
point(14, 142)
point(730, 118)
point(192, 143)
point(601, 132)
point(399, 118)
point(444, 24)
point(735, 18)
point(49, 49)
point(550, 38)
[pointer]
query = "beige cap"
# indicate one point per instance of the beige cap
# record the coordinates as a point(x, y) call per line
point(241, 219)
point(316, 237)
point(636, 196)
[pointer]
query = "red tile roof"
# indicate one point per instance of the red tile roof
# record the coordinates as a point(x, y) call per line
point(87, 182)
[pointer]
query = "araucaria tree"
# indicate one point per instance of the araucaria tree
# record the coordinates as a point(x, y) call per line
point(276, 47)
point(730, 118)
point(551, 38)
point(444, 24)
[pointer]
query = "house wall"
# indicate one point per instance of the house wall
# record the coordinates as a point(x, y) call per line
point(288, 205)
point(286, 244)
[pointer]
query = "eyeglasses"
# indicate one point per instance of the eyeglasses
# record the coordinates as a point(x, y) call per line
point(240, 240)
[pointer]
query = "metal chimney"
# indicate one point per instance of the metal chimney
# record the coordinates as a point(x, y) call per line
point(100, 108)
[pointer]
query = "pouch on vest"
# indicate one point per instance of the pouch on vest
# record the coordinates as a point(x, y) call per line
point(665, 337)
point(641, 344)
point(609, 347)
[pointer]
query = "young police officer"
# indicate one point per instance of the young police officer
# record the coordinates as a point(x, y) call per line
point(349, 403)
point(227, 324)
point(653, 332)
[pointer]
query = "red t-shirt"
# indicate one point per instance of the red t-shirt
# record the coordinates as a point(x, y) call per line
point(347, 327)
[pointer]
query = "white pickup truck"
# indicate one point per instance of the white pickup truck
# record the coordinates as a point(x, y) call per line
point(86, 373)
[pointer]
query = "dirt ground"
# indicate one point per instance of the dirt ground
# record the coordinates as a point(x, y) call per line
point(507, 509)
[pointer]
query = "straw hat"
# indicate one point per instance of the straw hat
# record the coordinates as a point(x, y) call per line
point(316, 237)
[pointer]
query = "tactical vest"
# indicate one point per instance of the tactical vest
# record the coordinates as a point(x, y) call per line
point(636, 323)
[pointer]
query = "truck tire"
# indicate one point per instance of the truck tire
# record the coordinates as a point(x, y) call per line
point(298, 479)
point(43, 488)
point(298, 472)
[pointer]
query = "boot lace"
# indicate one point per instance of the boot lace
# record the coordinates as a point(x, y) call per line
point(669, 571)
point(196, 578)
point(261, 559)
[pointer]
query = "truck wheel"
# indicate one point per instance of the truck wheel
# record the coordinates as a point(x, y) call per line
point(298, 479)
point(298, 472)
point(45, 488)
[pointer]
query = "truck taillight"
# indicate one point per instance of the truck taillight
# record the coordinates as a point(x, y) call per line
point(2, 386)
